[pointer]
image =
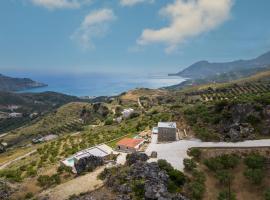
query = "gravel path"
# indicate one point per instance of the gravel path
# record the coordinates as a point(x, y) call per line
point(175, 152)
point(81, 184)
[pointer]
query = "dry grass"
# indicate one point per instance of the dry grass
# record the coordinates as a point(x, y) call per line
point(243, 188)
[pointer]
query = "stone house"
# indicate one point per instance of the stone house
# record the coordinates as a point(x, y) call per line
point(167, 131)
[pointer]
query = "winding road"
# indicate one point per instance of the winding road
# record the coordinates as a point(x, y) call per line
point(176, 152)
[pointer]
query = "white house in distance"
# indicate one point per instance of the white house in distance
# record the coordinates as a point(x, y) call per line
point(103, 151)
point(167, 131)
point(127, 112)
point(15, 115)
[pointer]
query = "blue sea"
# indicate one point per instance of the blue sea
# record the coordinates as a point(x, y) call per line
point(98, 84)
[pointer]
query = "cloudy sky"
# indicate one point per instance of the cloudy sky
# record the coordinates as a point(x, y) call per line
point(152, 36)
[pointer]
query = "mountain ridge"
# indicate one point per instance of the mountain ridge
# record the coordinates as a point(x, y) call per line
point(17, 84)
point(204, 69)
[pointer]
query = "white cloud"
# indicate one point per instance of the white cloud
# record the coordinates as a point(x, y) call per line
point(95, 24)
point(60, 4)
point(134, 2)
point(188, 18)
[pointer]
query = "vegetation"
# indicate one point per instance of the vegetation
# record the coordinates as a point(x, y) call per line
point(177, 178)
point(255, 168)
point(48, 181)
point(189, 164)
point(267, 194)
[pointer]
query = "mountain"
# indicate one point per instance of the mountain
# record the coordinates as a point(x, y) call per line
point(204, 69)
point(17, 84)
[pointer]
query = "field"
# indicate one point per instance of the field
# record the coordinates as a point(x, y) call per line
point(240, 186)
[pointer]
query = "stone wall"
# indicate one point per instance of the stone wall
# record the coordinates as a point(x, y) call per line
point(166, 134)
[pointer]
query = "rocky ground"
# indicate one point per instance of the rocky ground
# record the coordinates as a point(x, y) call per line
point(137, 179)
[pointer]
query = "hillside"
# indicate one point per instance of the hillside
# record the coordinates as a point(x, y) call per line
point(205, 69)
point(17, 109)
point(17, 84)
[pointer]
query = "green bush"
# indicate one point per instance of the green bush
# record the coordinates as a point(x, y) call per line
point(197, 190)
point(47, 181)
point(255, 161)
point(225, 195)
point(222, 162)
point(267, 194)
point(29, 195)
point(254, 175)
point(195, 153)
point(44, 180)
point(12, 174)
point(189, 164)
point(224, 177)
point(109, 121)
point(177, 177)
point(138, 188)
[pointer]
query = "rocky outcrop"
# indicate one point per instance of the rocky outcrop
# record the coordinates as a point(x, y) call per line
point(141, 178)
point(88, 164)
point(238, 132)
point(242, 121)
point(101, 109)
point(5, 191)
point(135, 157)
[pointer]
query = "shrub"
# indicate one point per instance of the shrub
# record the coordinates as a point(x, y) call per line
point(225, 195)
point(254, 175)
point(267, 194)
point(138, 188)
point(47, 181)
point(109, 121)
point(29, 195)
point(255, 161)
point(224, 177)
point(195, 153)
point(43, 180)
point(176, 176)
point(222, 162)
point(12, 174)
point(197, 190)
point(189, 164)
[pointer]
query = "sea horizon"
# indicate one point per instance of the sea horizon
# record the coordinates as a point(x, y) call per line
point(101, 84)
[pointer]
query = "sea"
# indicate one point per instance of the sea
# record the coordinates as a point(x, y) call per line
point(101, 84)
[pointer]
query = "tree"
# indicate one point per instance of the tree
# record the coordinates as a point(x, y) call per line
point(255, 161)
point(254, 175)
point(225, 195)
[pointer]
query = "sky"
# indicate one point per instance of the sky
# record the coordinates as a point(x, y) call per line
point(128, 36)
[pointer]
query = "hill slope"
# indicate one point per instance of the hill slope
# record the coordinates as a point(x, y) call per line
point(204, 69)
point(17, 84)
point(29, 106)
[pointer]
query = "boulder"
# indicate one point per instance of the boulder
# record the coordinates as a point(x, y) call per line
point(135, 157)
point(154, 154)
point(88, 164)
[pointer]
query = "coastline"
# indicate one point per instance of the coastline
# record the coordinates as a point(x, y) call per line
point(90, 86)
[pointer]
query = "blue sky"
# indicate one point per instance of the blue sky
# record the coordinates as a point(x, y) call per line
point(138, 36)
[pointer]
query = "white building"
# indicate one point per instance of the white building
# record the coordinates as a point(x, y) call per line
point(102, 151)
point(127, 112)
point(15, 115)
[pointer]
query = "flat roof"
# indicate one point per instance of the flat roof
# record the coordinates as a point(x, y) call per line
point(130, 142)
point(98, 151)
point(167, 124)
